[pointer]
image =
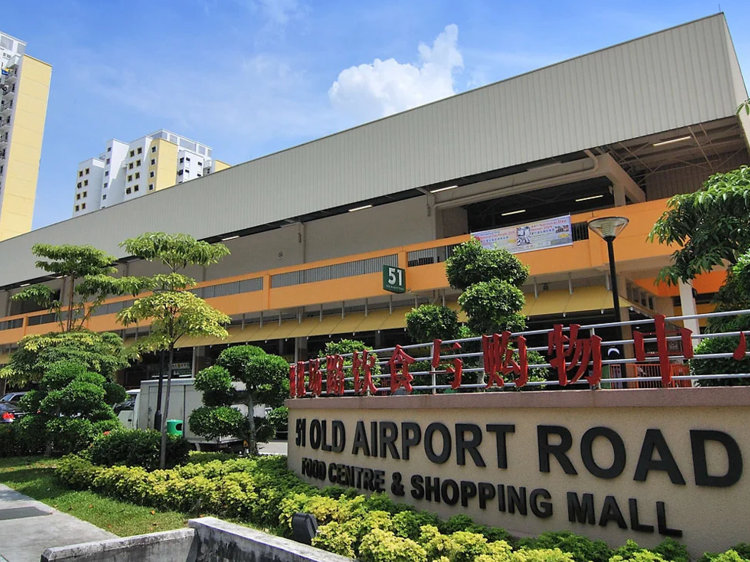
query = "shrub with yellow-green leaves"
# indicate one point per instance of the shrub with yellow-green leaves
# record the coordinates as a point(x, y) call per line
point(262, 492)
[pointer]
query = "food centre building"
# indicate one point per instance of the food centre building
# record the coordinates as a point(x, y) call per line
point(525, 163)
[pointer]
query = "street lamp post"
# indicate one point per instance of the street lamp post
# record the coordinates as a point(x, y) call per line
point(608, 228)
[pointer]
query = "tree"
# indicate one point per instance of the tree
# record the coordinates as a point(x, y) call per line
point(710, 228)
point(171, 309)
point(266, 381)
point(491, 282)
point(430, 321)
point(87, 278)
point(71, 407)
point(99, 353)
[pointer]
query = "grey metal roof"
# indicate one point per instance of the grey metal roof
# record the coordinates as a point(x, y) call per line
point(670, 79)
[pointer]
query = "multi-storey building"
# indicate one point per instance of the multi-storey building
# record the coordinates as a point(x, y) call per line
point(615, 132)
point(24, 89)
point(125, 171)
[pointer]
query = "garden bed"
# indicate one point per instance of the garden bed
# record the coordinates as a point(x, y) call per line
point(262, 492)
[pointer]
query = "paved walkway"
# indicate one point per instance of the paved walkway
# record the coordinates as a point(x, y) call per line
point(25, 532)
point(272, 448)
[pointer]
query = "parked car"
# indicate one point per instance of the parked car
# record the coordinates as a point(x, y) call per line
point(9, 407)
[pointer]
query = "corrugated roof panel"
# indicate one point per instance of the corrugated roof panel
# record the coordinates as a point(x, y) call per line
point(671, 79)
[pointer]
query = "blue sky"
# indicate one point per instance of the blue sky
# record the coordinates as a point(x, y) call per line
point(251, 77)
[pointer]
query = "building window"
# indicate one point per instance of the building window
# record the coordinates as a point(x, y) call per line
point(151, 174)
point(137, 175)
point(78, 196)
point(135, 188)
point(151, 187)
point(137, 162)
point(85, 182)
point(187, 159)
point(207, 170)
point(104, 197)
point(79, 185)
point(132, 153)
point(182, 160)
point(105, 185)
point(140, 150)
point(108, 159)
point(87, 171)
point(78, 208)
point(85, 193)
point(83, 206)
point(200, 163)
point(153, 161)
point(197, 175)
point(128, 191)
point(179, 172)
point(106, 173)
point(153, 149)
point(130, 178)
point(109, 149)
point(80, 173)
point(130, 166)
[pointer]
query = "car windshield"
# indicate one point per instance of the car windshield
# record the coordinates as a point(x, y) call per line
point(6, 399)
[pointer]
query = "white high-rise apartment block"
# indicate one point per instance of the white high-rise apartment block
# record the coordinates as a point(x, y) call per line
point(128, 170)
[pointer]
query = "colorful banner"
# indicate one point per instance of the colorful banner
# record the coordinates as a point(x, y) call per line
point(538, 235)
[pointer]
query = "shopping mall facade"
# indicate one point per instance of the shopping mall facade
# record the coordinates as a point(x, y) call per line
point(614, 132)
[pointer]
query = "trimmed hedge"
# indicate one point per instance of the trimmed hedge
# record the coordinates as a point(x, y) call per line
point(261, 491)
point(136, 447)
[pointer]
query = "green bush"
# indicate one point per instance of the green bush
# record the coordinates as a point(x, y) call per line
point(262, 492)
point(136, 447)
point(279, 419)
point(430, 321)
point(384, 546)
point(581, 548)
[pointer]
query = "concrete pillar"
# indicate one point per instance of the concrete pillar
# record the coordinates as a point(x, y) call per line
point(687, 302)
point(300, 349)
point(619, 193)
point(199, 359)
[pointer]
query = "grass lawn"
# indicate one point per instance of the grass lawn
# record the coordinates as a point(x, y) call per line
point(34, 476)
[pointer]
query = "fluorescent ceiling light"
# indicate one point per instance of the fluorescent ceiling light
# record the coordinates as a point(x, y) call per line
point(443, 189)
point(362, 208)
point(513, 213)
point(670, 141)
point(589, 198)
point(230, 237)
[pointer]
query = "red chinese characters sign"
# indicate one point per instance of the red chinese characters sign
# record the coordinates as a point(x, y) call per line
point(504, 360)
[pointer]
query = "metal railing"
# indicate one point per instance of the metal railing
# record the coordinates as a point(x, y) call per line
point(646, 371)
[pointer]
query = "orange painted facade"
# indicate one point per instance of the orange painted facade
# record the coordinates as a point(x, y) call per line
point(631, 248)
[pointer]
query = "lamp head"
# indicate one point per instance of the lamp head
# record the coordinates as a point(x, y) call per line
point(608, 227)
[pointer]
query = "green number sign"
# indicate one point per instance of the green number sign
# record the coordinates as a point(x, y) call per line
point(394, 279)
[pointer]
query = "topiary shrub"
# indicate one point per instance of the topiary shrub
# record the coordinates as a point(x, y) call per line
point(430, 321)
point(136, 447)
point(266, 379)
point(69, 409)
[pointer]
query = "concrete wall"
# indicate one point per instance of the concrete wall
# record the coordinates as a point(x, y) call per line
point(643, 464)
point(219, 541)
point(385, 226)
point(207, 539)
point(173, 545)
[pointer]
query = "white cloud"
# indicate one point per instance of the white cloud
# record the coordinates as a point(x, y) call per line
point(371, 91)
